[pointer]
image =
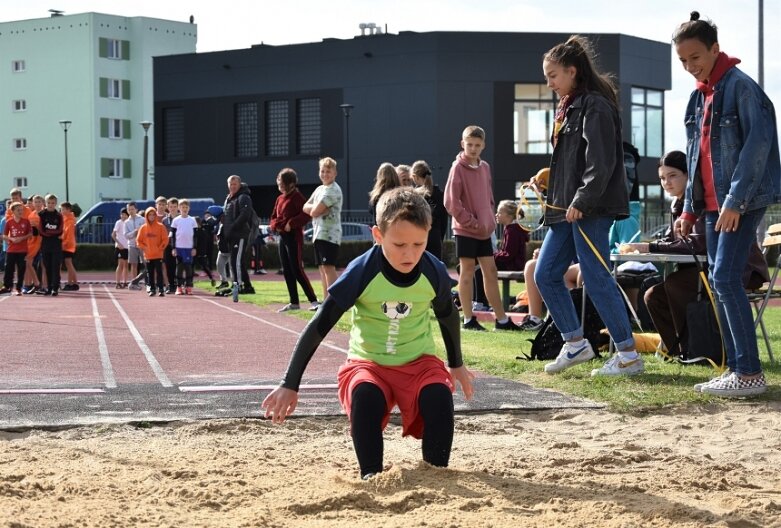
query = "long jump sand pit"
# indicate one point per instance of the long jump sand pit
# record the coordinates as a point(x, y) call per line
point(714, 466)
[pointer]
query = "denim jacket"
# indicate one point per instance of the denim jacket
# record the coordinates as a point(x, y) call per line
point(744, 146)
point(587, 167)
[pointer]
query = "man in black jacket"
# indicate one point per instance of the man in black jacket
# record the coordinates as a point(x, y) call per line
point(236, 228)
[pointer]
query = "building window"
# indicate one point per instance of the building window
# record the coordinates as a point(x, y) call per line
point(19, 105)
point(114, 89)
point(20, 182)
point(533, 111)
point(20, 144)
point(246, 129)
point(277, 128)
point(114, 49)
point(114, 128)
point(114, 168)
point(308, 126)
point(17, 66)
point(648, 121)
point(173, 134)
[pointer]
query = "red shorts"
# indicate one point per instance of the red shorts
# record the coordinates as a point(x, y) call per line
point(401, 386)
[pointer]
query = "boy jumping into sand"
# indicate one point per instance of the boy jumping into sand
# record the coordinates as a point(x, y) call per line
point(391, 357)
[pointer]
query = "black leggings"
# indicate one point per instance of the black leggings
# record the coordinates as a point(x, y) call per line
point(290, 248)
point(368, 408)
point(52, 261)
point(14, 261)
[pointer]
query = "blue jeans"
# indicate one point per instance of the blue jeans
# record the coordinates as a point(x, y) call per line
point(560, 247)
point(727, 258)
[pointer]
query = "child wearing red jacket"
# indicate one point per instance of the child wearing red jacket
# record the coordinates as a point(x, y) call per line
point(288, 219)
point(152, 240)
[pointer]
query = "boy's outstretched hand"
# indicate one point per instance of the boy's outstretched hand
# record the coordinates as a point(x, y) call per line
point(464, 377)
point(280, 404)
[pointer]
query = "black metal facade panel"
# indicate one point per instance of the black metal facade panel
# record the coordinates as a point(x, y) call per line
point(413, 93)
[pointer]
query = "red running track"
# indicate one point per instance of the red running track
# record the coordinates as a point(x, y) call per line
point(101, 337)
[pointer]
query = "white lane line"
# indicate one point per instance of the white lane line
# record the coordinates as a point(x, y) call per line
point(4, 297)
point(51, 391)
point(108, 371)
point(274, 325)
point(238, 388)
point(150, 357)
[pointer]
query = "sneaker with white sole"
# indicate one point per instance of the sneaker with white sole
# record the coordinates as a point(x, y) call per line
point(733, 386)
point(530, 324)
point(315, 306)
point(472, 324)
point(289, 307)
point(615, 366)
point(698, 387)
point(569, 356)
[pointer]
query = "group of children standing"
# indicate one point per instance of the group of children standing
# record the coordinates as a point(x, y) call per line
point(164, 240)
point(39, 239)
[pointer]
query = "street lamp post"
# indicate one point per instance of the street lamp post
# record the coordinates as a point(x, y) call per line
point(65, 124)
point(146, 125)
point(346, 109)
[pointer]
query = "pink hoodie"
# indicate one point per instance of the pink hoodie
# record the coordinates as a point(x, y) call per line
point(469, 199)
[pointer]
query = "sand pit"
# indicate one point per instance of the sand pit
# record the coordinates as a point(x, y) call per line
point(717, 466)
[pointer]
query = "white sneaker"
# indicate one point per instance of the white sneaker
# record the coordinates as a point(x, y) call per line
point(615, 366)
point(289, 307)
point(570, 355)
point(698, 387)
point(315, 306)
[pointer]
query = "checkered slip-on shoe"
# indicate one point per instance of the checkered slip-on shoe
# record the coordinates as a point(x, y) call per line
point(734, 386)
point(698, 387)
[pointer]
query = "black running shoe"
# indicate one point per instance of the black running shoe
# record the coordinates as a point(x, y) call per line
point(507, 325)
point(530, 325)
point(472, 324)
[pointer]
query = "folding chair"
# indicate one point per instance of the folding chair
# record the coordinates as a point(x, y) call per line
point(761, 297)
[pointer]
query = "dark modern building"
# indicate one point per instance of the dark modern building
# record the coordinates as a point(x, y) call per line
point(254, 111)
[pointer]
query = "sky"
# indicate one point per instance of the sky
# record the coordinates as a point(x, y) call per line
point(235, 24)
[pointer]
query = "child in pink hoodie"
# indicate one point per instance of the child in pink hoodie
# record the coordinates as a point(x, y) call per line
point(470, 201)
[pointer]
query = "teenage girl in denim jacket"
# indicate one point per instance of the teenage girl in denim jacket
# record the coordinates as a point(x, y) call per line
point(734, 174)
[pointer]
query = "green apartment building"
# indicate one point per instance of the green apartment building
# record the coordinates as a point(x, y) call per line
point(95, 71)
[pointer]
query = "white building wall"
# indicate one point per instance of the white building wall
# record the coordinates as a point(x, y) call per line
point(61, 80)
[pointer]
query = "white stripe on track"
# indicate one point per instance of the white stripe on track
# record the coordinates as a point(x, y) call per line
point(4, 297)
point(150, 357)
point(278, 327)
point(105, 361)
point(51, 391)
point(239, 388)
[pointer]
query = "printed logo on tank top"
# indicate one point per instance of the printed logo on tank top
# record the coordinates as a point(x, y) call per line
point(394, 310)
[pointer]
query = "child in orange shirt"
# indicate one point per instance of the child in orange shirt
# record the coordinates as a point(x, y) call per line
point(32, 261)
point(152, 240)
point(69, 244)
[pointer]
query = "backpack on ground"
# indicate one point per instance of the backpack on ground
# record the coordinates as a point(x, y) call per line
point(547, 344)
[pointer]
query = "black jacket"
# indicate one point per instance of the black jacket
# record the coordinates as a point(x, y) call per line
point(587, 167)
point(238, 213)
point(672, 243)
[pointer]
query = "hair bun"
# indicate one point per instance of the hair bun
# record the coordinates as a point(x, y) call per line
point(695, 15)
